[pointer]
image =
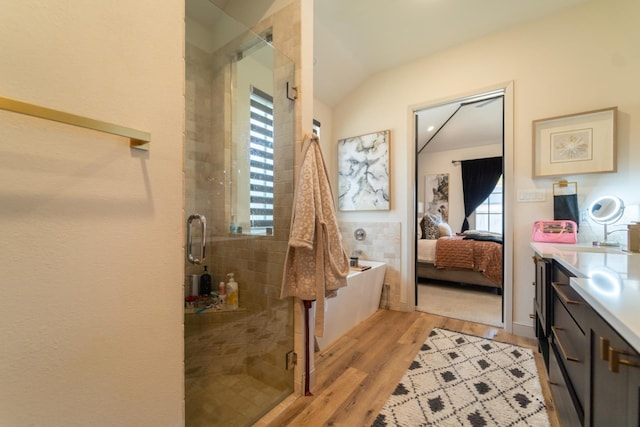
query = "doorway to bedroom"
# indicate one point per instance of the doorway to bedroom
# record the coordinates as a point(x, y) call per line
point(460, 208)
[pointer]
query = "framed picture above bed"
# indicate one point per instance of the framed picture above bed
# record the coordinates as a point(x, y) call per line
point(436, 195)
point(363, 172)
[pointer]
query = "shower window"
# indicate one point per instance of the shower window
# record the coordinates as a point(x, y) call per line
point(316, 127)
point(261, 159)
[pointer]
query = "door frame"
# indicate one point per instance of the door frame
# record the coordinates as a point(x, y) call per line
point(508, 193)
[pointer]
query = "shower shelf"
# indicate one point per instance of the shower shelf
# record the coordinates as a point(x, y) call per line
point(137, 139)
point(213, 310)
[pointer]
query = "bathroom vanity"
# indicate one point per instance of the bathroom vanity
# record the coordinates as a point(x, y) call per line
point(587, 321)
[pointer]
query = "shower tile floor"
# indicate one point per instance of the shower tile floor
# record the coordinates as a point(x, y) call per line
point(214, 400)
point(220, 389)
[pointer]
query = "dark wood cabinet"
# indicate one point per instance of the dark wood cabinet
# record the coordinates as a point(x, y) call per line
point(593, 372)
point(562, 398)
point(570, 343)
point(614, 386)
point(541, 304)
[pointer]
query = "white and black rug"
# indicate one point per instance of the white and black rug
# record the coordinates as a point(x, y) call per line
point(463, 380)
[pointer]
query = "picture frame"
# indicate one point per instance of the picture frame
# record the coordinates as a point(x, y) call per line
point(363, 172)
point(575, 144)
point(436, 195)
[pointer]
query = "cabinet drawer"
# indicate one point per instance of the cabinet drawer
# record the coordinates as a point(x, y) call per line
point(561, 397)
point(571, 344)
point(572, 302)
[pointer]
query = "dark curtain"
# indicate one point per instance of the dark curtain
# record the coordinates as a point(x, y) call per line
point(479, 178)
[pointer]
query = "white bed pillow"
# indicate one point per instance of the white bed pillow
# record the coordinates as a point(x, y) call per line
point(445, 229)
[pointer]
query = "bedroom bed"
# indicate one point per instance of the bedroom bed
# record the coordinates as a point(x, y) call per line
point(471, 259)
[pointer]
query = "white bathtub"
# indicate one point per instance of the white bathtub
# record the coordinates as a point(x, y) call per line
point(354, 303)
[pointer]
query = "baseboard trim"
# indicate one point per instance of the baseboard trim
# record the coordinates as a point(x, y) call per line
point(523, 330)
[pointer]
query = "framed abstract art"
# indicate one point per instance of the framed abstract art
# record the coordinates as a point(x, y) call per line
point(363, 172)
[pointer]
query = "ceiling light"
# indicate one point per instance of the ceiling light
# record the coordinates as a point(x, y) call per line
point(430, 128)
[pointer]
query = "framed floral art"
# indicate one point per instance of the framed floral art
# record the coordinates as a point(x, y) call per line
point(575, 144)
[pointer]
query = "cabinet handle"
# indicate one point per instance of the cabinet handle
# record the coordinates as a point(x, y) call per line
point(565, 299)
point(533, 283)
point(555, 330)
point(615, 361)
point(604, 349)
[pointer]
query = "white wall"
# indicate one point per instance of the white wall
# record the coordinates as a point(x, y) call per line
point(582, 59)
point(440, 162)
point(91, 231)
point(323, 113)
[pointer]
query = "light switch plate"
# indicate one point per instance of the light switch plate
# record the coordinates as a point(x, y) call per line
point(531, 195)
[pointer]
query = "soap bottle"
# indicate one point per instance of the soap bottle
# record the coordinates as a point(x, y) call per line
point(222, 292)
point(205, 283)
point(232, 293)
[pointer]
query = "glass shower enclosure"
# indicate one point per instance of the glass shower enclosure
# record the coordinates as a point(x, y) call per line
point(239, 163)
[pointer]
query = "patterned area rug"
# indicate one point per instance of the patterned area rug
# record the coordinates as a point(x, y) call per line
point(463, 380)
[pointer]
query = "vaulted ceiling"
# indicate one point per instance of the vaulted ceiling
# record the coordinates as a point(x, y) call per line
point(355, 39)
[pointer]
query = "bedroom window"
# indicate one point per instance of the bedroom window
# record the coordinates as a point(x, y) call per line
point(489, 213)
point(261, 159)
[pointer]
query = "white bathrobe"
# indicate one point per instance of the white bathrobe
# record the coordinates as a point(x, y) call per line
point(316, 265)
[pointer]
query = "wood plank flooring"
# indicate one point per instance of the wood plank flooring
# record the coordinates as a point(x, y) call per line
point(356, 375)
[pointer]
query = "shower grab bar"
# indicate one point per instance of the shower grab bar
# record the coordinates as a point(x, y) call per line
point(203, 227)
point(137, 138)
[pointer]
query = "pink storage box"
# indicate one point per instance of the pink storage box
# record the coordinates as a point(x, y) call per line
point(561, 231)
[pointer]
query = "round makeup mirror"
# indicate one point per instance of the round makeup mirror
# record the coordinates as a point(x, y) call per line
point(606, 210)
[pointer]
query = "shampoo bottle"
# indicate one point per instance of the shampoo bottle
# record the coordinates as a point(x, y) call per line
point(232, 293)
point(205, 283)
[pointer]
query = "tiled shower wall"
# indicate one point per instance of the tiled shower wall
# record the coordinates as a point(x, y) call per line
point(383, 244)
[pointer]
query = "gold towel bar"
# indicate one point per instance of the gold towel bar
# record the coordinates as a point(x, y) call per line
point(138, 139)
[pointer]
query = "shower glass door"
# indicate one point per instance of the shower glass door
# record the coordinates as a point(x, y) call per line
point(239, 146)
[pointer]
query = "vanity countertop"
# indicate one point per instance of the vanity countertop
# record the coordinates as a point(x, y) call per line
point(607, 278)
point(617, 303)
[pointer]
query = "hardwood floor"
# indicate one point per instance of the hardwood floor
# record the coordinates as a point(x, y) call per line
point(357, 374)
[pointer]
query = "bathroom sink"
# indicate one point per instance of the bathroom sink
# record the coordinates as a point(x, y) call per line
point(591, 248)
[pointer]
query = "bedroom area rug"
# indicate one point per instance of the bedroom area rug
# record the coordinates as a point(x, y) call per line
point(464, 380)
point(471, 303)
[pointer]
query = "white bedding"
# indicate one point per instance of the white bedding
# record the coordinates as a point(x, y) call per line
point(426, 250)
